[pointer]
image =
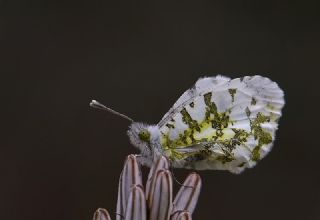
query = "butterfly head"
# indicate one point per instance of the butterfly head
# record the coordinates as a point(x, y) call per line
point(143, 137)
point(139, 135)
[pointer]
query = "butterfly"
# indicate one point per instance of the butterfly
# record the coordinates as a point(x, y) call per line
point(218, 124)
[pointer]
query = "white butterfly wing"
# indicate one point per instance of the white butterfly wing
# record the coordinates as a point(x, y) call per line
point(249, 106)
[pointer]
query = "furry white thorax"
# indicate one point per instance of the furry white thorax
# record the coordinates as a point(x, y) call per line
point(149, 149)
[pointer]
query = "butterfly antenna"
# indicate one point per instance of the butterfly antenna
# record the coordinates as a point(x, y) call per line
point(98, 105)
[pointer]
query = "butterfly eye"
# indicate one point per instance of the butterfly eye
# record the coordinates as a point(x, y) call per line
point(144, 135)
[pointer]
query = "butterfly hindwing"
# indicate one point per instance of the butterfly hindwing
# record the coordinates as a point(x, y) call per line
point(222, 123)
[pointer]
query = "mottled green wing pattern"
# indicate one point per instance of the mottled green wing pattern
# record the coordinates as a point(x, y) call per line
point(222, 124)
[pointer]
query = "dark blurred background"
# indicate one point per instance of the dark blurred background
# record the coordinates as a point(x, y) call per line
point(60, 160)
